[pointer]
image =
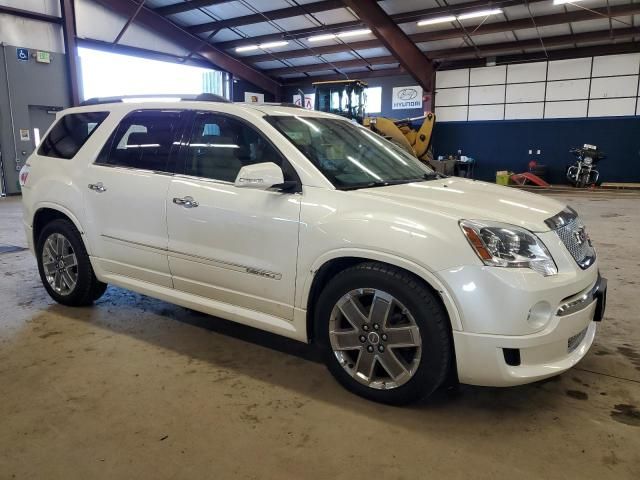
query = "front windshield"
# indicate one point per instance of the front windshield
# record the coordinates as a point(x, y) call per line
point(350, 156)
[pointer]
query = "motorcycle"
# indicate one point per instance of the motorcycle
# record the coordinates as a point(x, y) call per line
point(583, 172)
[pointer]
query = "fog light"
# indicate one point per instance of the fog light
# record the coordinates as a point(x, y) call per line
point(539, 315)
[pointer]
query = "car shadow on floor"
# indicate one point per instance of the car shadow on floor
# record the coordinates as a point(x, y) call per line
point(292, 365)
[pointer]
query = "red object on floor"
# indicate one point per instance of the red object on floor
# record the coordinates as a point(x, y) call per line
point(527, 177)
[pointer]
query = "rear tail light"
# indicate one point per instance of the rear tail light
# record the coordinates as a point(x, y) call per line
point(24, 174)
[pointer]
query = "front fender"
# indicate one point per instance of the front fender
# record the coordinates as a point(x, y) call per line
point(373, 255)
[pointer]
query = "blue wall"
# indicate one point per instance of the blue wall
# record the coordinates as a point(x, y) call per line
point(504, 145)
point(240, 86)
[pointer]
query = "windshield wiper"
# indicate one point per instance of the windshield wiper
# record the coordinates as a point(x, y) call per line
point(433, 176)
point(386, 183)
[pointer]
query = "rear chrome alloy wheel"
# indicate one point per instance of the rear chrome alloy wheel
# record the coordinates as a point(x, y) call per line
point(375, 338)
point(60, 264)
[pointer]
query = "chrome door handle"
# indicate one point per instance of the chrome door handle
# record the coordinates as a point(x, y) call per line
point(186, 202)
point(97, 187)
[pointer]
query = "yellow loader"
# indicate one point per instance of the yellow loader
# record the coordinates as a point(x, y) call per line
point(348, 99)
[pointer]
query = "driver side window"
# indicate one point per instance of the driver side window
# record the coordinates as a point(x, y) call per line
point(220, 146)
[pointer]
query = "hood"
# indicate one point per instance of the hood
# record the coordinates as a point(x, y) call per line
point(461, 198)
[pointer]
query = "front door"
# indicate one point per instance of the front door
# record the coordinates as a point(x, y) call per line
point(234, 245)
point(125, 196)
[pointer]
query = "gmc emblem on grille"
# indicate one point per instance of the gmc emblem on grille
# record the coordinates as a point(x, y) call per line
point(581, 236)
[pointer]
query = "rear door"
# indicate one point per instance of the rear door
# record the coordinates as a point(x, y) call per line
point(234, 245)
point(125, 196)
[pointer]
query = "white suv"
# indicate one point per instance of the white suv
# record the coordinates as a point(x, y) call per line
point(309, 226)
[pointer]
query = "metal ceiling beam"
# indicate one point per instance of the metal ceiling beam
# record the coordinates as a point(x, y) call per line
point(399, 18)
point(386, 72)
point(217, 58)
point(497, 27)
point(396, 41)
point(67, 7)
point(562, 54)
point(319, 67)
point(130, 20)
point(41, 17)
point(181, 7)
point(555, 41)
point(580, 52)
point(266, 16)
point(481, 51)
point(525, 23)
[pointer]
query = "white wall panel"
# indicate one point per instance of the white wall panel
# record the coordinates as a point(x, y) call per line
point(451, 114)
point(452, 78)
point(488, 75)
point(452, 96)
point(568, 90)
point(486, 112)
point(515, 111)
point(525, 92)
point(22, 32)
point(576, 108)
point(556, 89)
point(614, 87)
point(606, 66)
point(612, 107)
point(49, 7)
point(527, 72)
point(96, 22)
point(488, 94)
point(568, 69)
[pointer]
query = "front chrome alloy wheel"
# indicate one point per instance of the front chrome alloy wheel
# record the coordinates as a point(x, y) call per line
point(60, 264)
point(375, 338)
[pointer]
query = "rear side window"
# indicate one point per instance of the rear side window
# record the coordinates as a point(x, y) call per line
point(144, 139)
point(70, 133)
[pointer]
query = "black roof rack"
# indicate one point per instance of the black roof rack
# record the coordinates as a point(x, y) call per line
point(202, 97)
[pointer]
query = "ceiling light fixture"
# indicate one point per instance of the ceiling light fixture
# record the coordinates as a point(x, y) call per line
point(330, 36)
point(432, 21)
point(273, 44)
point(319, 38)
point(466, 16)
point(562, 2)
point(481, 13)
point(248, 48)
point(353, 33)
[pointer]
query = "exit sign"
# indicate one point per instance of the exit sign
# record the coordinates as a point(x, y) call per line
point(43, 57)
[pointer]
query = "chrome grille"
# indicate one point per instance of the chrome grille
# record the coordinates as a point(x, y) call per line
point(572, 233)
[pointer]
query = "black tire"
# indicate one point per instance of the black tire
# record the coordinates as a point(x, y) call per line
point(88, 288)
point(429, 315)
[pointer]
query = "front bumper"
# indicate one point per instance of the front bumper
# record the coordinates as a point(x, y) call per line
point(518, 330)
point(481, 358)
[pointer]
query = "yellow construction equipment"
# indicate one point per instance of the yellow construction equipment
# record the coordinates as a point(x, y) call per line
point(348, 98)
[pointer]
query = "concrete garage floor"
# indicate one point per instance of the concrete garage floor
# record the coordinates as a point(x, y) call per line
point(137, 388)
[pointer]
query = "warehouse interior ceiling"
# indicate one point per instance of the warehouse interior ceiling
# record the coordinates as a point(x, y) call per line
point(298, 41)
point(276, 43)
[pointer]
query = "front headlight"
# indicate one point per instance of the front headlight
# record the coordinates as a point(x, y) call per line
point(504, 245)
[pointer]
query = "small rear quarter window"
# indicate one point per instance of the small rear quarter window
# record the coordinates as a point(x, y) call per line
point(70, 133)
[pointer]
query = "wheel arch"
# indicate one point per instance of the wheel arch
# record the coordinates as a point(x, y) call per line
point(46, 212)
point(330, 264)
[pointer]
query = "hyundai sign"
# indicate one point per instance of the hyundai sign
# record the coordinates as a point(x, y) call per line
point(406, 97)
